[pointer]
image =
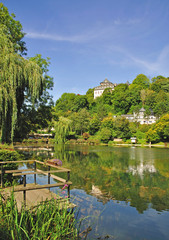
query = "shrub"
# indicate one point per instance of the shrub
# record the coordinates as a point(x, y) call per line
point(9, 155)
point(105, 135)
point(86, 135)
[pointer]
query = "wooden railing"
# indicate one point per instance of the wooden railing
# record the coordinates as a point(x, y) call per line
point(35, 171)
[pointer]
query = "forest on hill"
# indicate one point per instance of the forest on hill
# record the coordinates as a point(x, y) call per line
point(102, 119)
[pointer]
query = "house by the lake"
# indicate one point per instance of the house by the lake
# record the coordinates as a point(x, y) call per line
point(141, 117)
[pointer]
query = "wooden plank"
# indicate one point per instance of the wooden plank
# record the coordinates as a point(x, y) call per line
point(23, 161)
point(35, 187)
point(53, 171)
point(18, 171)
point(51, 165)
point(53, 176)
point(25, 173)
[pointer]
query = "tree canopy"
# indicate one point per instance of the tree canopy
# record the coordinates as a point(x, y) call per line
point(17, 75)
point(13, 29)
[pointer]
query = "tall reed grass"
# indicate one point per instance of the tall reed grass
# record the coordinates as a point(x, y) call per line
point(48, 221)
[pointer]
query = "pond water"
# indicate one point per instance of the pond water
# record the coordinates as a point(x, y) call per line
point(123, 191)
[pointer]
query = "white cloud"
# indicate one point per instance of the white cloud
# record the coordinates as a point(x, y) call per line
point(46, 36)
point(158, 65)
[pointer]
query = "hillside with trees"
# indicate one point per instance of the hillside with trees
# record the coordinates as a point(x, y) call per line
point(102, 118)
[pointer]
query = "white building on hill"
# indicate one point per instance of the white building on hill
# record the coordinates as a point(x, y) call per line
point(141, 117)
point(98, 91)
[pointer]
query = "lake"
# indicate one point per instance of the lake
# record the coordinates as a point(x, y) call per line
point(123, 191)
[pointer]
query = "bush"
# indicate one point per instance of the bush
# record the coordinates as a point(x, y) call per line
point(105, 135)
point(9, 155)
point(86, 135)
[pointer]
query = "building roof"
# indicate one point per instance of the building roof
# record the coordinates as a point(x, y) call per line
point(105, 84)
point(142, 110)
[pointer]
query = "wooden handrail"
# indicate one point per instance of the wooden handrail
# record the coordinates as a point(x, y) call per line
point(54, 166)
point(19, 189)
point(18, 171)
point(17, 161)
point(25, 173)
point(51, 175)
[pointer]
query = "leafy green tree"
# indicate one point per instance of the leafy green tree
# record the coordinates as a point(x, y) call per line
point(108, 122)
point(105, 135)
point(107, 96)
point(80, 121)
point(162, 128)
point(160, 83)
point(94, 125)
point(62, 129)
point(80, 102)
point(159, 131)
point(121, 128)
point(150, 99)
point(17, 76)
point(120, 99)
point(152, 136)
point(37, 115)
point(46, 99)
point(90, 97)
point(162, 103)
point(64, 103)
point(13, 29)
point(142, 81)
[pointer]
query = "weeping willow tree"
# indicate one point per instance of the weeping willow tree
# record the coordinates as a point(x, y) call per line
point(17, 76)
point(62, 129)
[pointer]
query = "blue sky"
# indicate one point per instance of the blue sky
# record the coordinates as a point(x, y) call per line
point(90, 40)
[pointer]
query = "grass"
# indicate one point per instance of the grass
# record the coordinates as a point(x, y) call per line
point(47, 221)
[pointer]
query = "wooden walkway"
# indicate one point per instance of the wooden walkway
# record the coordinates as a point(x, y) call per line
point(36, 197)
point(33, 194)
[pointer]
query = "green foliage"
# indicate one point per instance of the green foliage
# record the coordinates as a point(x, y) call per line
point(9, 154)
point(121, 128)
point(65, 103)
point(94, 125)
point(152, 136)
point(13, 29)
point(159, 131)
point(124, 99)
point(47, 221)
point(62, 128)
point(80, 121)
point(105, 135)
point(142, 81)
point(160, 83)
point(80, 102)
point(17, 74)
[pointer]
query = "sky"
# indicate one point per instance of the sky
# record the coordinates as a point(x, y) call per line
point(90, 40)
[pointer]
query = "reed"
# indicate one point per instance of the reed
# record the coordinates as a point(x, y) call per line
point(49, 220)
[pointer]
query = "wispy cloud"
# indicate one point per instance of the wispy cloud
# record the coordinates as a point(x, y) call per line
point(158, 65)
point(53, 37)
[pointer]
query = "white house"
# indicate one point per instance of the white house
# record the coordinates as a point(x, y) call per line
point(141, 117)
point(98, 91)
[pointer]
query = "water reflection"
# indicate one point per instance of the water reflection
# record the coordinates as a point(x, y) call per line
point(124, 188)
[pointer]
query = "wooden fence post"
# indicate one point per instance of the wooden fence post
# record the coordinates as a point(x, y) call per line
point(2, 176)
point(68, 188)
point(24, 191)
point(35, 173)
point(49, 176)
